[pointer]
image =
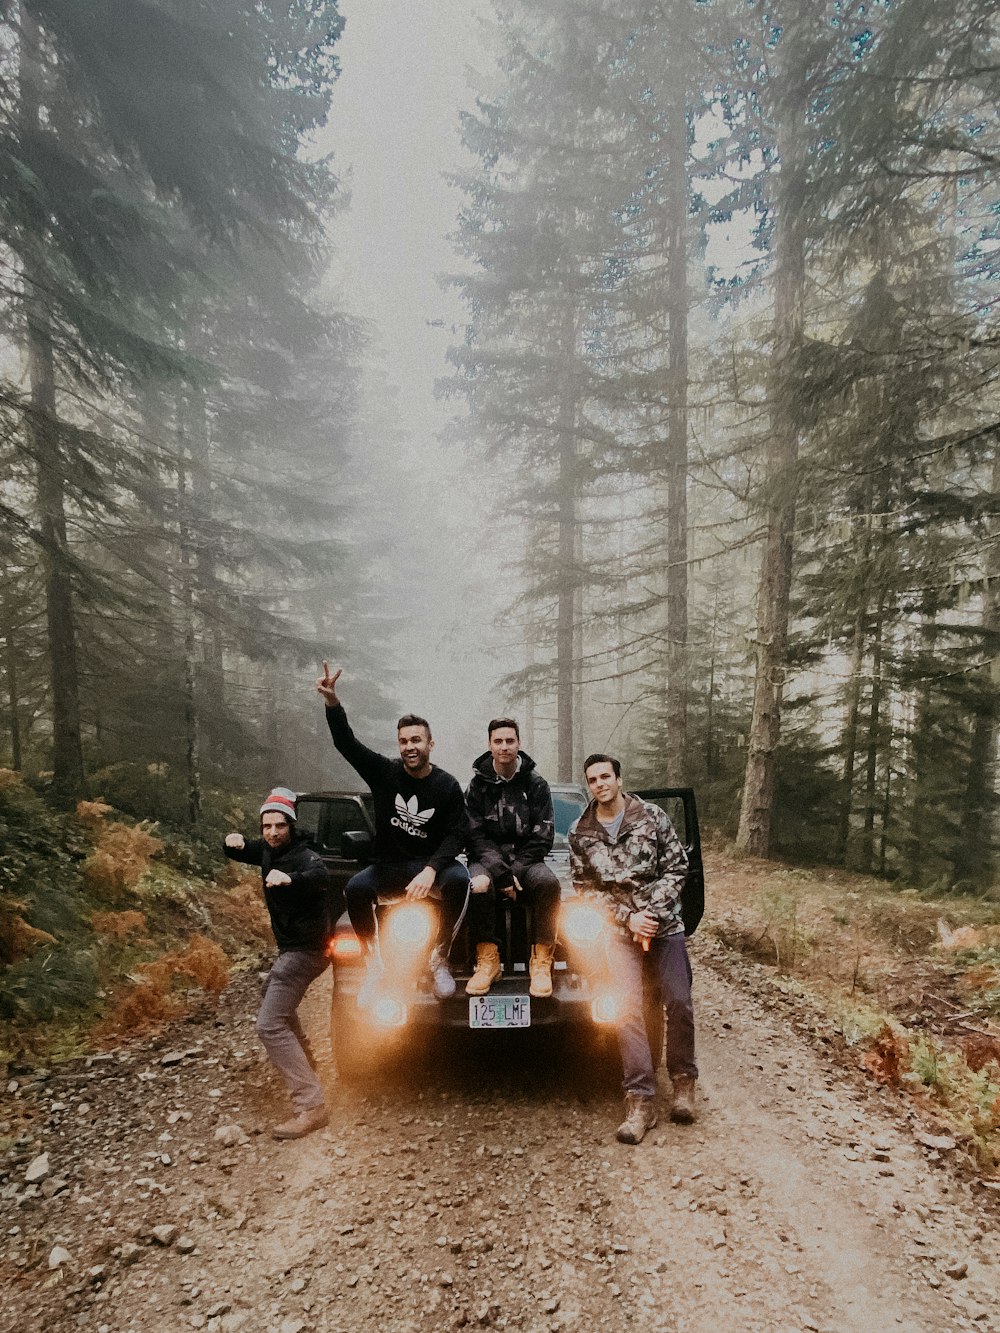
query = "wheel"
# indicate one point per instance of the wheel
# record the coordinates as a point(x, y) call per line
point(352, 1049)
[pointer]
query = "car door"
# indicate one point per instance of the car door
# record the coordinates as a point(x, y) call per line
point(324, 820)
point(682, 811)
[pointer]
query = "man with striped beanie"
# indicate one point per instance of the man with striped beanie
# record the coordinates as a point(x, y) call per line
point(295, 890)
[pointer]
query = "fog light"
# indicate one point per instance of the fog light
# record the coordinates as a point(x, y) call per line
point(387, 1012)
point(344, 945)
point(582, 924)
point(604, 1008)
point(409, 926)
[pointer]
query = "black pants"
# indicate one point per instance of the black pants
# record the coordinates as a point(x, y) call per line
point(539, 890)
point(389, 880)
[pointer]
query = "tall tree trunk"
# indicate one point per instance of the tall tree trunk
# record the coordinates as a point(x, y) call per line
point(192, 728)
point(200, 450)
point(677, 206)
point(13, 692)
point(566, 426)
point(67, 745)
point(849, 741)
point(754, 834)
point(977, 841)
point(867, 851)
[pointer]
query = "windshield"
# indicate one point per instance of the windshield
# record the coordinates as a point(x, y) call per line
point(567, 807)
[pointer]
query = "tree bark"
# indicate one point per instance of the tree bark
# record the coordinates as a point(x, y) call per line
point(677, 207)
point(13, 694)
point(192, 729)
point(67, 744)
point(566, 426)
point(978, 817)
point(754, 834)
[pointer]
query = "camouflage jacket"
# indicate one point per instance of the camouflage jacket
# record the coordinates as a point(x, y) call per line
point(643, 869)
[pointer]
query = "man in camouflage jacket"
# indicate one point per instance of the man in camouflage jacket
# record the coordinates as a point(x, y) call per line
point(625, 855)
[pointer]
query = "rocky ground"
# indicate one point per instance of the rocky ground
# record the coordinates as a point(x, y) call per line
point(480, 1185)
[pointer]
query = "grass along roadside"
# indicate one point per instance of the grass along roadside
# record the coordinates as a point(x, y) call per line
point(911, 983)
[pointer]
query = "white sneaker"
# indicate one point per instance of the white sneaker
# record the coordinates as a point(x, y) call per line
point(444, 982)
point(374, 972)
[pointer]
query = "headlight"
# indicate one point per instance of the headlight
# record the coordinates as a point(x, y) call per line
point(345, 944)
point(582, 924)
point(387, 1012)
point(604, 1008)
point(409, 926)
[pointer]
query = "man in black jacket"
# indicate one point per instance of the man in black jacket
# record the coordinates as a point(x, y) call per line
point(295, 889)
point(511, 830)
point(420, 828)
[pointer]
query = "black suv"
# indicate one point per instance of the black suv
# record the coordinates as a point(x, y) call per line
point(340, 826)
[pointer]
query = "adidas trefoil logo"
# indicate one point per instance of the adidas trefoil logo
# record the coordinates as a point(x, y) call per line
point(410, 818)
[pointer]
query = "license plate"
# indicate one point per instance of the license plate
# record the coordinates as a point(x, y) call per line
point(500, 1011)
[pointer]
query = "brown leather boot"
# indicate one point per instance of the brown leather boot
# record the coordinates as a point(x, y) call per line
point(640, 1116)
point(305, 1122)
point(682, 1103)
point(540, 970)
point(487, 970)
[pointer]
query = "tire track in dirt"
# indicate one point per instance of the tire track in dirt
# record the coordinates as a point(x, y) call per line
point(480, 1185)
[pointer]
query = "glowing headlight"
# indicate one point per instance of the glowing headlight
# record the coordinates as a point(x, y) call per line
point(387, 1012)
point(344, 945)
point(604, 1008)
point(582, 924)
point(409, 926)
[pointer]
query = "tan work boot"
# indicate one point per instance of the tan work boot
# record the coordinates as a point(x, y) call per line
point(682, 1104)
point(487, 970)
point(302, 1124)
point(540, 969)
point(640, 1116)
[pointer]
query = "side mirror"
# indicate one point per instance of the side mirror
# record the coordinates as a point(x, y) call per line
point(356, 845)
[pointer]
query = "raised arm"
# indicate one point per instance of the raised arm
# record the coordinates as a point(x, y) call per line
point(368, 764)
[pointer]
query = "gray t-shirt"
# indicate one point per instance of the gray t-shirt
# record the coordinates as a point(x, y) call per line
point(613, 826)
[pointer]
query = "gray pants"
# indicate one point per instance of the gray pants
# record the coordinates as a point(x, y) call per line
point(278, 1025)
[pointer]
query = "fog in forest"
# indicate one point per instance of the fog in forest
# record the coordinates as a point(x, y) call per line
point(629, 369)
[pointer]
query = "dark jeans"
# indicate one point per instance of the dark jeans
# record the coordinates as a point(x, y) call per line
point(278, 1026)
point(388, 880)
point(539, 891)
point(673, 977)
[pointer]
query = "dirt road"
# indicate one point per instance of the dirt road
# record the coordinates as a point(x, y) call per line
point(484, 1189)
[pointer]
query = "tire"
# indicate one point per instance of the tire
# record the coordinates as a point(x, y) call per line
point(352, 1054)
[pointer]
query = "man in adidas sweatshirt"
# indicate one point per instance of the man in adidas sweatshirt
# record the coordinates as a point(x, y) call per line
point(420, 828)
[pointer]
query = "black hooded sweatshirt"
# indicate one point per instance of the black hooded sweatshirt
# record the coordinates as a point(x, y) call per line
point(299, 911)
point(511, 824)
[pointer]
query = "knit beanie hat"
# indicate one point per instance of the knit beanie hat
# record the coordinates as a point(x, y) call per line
point(280, 802)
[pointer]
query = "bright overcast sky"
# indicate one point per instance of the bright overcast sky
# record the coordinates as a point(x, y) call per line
point(394, 132)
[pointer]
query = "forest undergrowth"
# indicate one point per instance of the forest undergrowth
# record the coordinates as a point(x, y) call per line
point(111, 926)
point(908, 983)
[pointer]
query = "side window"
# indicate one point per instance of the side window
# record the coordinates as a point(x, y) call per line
point(324, 823)
point(342, 817)
point(309, 818)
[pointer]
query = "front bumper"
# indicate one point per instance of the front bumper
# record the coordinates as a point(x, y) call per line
point(570, 1003)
